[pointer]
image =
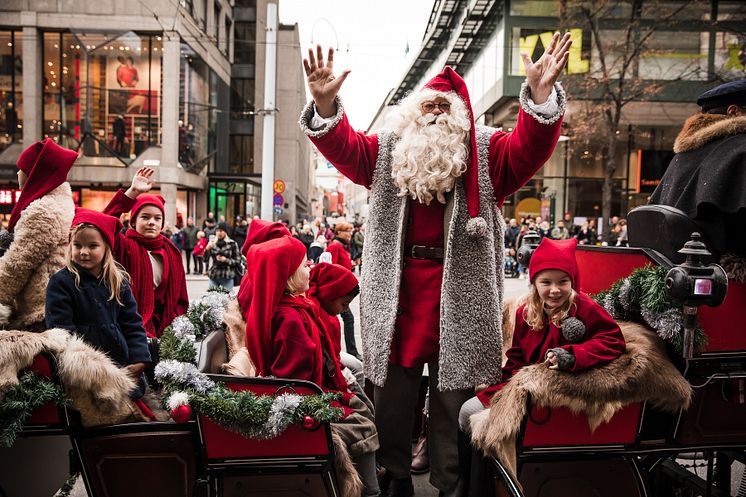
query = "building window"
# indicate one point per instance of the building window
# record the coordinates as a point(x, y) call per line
point(11, 88)
point(245, 41)
point(242, 98)
point(216, 22)
point(187, 5)
point(227, 46)
point(241, 156)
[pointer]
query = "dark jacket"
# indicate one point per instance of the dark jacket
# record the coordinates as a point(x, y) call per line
point(239, 235)
point(190, 237)
point(224, 270)
point(88, 312)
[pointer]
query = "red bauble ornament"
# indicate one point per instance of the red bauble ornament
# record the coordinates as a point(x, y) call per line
point(182, 414)
point(309, 423)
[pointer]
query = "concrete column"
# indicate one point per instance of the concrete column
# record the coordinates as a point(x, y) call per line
point(168, 192)
point(201, 209)
point(170, 117)
point(32, 98)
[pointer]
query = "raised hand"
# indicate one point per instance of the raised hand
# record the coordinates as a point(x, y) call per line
point(141, 183)
point(322, 83)
point(542, 74)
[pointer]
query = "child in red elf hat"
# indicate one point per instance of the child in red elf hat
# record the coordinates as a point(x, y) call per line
point(558, 325)
point(285, 338)
point(152, 260)
point(91, 296)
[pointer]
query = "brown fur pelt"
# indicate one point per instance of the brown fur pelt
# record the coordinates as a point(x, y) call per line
point(240, 364)
point(235, 328)
point(702, 128)
point(642, 373)
point(734, 266)
point(18, 349)
point(349, 481)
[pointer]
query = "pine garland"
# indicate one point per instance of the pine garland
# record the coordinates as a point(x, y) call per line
point(174, 348)
point(642, 297)
point(32, 392)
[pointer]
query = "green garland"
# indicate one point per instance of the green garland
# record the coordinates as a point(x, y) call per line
point(32, 392)
point(642, 297)
point(174, 348)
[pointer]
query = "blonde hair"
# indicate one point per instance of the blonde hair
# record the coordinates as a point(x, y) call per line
point(294, 285)
point(112, 273)
point(534, 313)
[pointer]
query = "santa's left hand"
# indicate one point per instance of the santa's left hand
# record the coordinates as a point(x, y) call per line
point(542, 74)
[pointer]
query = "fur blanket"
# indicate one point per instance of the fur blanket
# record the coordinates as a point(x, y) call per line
point(642, 374)
point(97, 388)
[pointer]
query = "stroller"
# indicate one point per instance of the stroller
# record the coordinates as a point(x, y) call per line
point(510, 263)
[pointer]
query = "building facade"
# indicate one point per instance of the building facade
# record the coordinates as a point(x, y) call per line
point(127, 84)
point(482, 40)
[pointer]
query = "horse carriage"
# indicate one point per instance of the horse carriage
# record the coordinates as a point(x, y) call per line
point(635, 449)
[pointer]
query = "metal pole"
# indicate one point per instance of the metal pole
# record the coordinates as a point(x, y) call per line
point(268, 142)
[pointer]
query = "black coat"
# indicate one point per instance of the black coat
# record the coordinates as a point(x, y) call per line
point(88, 312)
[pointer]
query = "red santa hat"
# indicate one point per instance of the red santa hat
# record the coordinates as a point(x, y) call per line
point(269, 265)
point(555, 254)
point(261, 231)
point(109, 226)
point(46, 165)
point(330, 282)
point(144, 200)
point(450, 82)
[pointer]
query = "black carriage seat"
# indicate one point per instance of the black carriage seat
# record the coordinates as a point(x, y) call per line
point(139, 459)
point(212, 352)
point(664, 229)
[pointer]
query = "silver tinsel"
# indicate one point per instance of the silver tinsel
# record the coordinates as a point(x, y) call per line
point(667, 323)
point(624, 293)
point(212, 317)
point(609, 306)
point(282, 408)
point(183, 328)
point(183, 373)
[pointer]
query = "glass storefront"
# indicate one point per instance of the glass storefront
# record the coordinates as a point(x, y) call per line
point(101, 92)
point(11, 88)
point(234, 198)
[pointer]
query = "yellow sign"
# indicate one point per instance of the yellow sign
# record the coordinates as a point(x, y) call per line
point(528, 207)
point(279, 186)
point(575, 62)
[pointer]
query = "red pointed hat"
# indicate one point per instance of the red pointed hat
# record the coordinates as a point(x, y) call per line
point(330, 281)
point(144, 200)
point(46, 165)
point(109, 226)
point(555, 254)
point(448, 81)
point(269, 265)
point(261, 231)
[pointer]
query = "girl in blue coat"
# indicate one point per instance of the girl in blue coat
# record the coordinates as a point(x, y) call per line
point(91, 296)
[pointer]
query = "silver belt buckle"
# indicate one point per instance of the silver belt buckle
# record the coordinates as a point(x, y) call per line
point(413, 249)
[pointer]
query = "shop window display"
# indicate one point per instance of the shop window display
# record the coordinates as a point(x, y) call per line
point(197, 111)
point(101, 92)
point(11, 84)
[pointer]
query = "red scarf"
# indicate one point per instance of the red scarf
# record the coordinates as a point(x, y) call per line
point(330, 282)
point(317, 331)
point(132, 253)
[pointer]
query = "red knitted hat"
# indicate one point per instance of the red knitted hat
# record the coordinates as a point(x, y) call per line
point(268, 267)
point(144, 200)
point(555, 254)
point(46, 165)
point(331, 281)
point(109, 226)
point(448, 81)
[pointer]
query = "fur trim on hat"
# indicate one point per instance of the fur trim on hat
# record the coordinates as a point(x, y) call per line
point(700, 129)
point(476, 227)
point(573, 329)
point(561, 101)
point(643, 373)
point(310, 110)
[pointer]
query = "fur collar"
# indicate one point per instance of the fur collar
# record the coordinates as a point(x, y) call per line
point(700, 129)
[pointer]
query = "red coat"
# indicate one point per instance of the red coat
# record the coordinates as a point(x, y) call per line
point(603, 342)
point(513, 159)
point(340, 254)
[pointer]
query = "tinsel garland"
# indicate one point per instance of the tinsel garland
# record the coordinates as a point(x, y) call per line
point(32, 392)
point(67, 487)
point(642, 297)
point(251, 415)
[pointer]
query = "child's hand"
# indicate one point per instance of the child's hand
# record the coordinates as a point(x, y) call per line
point(141, 183)
point(135, 370)
point(551, 360)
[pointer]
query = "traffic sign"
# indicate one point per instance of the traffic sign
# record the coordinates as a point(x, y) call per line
point(279, 211)
point(278, 199)
point(278, 186)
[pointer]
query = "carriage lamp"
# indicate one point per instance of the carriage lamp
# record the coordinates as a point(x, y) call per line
point(695, 284)
point(529, 243)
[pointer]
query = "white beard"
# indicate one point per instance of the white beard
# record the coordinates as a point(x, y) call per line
point(432, 151)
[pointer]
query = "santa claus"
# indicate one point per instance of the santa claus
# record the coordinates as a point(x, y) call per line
point(432, 280)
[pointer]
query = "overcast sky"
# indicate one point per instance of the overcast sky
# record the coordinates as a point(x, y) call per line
point(371, 37)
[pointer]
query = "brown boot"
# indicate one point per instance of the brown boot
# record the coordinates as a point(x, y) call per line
point(420, 456)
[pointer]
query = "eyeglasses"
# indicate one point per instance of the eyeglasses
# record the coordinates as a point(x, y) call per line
point(430, 106)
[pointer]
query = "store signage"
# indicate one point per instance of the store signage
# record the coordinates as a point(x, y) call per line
point(651, 164)
point(278, 186)
point(575, 62)
point(278, 199)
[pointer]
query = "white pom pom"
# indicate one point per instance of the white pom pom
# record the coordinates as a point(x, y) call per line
point(476, 227)
point(177, 399)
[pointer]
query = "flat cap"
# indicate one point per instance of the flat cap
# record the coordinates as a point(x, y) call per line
point(731, 93)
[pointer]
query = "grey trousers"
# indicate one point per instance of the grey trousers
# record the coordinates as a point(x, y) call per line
point(395, 404)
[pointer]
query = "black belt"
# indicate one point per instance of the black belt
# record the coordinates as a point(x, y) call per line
point(423, 252)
